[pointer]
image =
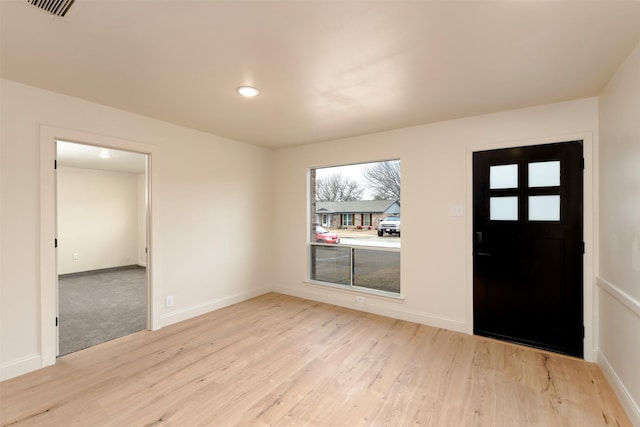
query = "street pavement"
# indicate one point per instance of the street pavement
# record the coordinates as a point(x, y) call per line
point(386, 241)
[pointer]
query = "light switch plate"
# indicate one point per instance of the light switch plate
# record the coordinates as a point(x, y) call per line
point(457, 210)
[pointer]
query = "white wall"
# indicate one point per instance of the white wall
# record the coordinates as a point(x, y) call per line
point(436, 246)
point(97, 219)
point(619, 269)
point(210, 198)
point(213, 198)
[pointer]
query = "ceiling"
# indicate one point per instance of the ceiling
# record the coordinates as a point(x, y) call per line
point(326, 69)
point(75, 155)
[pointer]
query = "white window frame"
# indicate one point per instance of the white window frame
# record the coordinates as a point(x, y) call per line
point(347, 287)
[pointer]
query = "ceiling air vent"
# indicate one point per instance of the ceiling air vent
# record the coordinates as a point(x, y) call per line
point(54, 7)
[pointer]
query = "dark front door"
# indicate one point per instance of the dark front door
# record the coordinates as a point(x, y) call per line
point(528, 246)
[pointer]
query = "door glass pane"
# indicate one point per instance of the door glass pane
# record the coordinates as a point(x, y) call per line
point(505, 176)
point(503, 208)
point(544, 208)
point(544, 174)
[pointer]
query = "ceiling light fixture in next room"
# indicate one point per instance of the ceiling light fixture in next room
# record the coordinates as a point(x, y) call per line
point(248, 91)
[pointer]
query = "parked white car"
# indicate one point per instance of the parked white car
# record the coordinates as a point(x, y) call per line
point(390, 225)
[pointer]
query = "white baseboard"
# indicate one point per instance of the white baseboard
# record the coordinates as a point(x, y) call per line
point(630, 407)
point(208, 306)
point(377, 305)
point(20, 366)
point(33, 362)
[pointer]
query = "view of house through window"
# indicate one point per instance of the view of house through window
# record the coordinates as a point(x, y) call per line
point(355, 226)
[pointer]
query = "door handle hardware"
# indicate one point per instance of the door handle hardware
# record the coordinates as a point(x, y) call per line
point(479, 237)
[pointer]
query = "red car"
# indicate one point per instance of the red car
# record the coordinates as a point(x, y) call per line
point(323, 236)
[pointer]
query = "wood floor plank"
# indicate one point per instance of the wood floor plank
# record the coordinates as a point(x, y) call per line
point(278, 360)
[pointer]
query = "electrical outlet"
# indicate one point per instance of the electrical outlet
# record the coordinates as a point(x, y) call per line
point(359, 300)
point(168, 301)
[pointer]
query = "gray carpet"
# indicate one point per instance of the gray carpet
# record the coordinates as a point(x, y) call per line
point(96, 307)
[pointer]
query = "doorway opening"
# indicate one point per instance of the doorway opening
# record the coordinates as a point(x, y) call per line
point(102, 235)
point(528, 246)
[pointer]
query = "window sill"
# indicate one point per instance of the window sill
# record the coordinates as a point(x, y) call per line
point(355, 290)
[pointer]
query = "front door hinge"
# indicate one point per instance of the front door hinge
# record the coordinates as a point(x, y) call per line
point(583, 334)
point(55, 243)
point(583, 248)
point(55, 164)
point(582, 163)
point(56, 320)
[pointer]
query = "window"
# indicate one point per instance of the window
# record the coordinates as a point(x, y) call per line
point(331, 264)
point(540, 188)
point(359, 251)
point(503, 176)
point(544, 208)
point(546, 176)
point(503, 208)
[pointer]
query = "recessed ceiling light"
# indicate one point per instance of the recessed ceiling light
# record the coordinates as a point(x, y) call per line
point(248, 91)
point(105, 154)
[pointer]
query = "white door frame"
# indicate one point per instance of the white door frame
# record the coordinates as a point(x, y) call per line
point(48, 252)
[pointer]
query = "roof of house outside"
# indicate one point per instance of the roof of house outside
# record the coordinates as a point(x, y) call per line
point(357, 206)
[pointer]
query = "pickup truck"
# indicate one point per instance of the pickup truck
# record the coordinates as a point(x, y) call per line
point(390, 225)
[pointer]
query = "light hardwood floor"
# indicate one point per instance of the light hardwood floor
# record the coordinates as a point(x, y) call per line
point(279, 360)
